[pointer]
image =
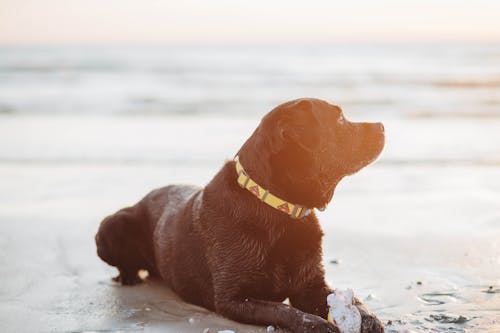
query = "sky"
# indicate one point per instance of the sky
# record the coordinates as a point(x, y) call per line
point(187, 21)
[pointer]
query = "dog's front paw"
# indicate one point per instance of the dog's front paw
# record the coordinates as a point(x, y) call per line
point(369, 322)
point(315, 324)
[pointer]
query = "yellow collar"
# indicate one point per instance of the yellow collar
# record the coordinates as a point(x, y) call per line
point(295, 211)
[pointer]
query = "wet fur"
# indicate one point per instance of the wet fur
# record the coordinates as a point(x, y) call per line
point(221, 248)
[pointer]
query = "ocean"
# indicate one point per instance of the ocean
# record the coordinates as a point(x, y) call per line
point(400, 80)
point(86, 130)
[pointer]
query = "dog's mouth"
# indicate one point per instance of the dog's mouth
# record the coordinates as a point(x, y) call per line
point(327, 197)
point(370, 144)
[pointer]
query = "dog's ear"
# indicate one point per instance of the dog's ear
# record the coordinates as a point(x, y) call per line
point(298, 124)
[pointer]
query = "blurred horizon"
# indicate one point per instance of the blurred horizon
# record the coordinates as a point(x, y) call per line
point(396, 80)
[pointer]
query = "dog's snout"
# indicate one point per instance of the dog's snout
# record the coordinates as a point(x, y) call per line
point(376, 129)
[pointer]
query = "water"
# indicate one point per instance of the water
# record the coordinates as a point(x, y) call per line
point(402, 80)
point(88, 130)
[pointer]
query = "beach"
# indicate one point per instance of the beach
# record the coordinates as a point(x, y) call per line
point(415, 235)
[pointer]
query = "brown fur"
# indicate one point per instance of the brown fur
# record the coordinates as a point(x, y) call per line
point(221, 248)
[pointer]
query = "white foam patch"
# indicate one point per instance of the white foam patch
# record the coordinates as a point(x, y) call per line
point(343, 312)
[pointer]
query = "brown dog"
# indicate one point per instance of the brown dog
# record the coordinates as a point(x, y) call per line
point(249, 239)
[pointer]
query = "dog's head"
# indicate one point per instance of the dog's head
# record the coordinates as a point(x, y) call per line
point(303, 148)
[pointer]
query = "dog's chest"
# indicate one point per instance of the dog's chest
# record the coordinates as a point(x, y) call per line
point(288, 261)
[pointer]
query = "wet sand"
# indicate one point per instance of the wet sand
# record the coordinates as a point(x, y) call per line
point(417, 241)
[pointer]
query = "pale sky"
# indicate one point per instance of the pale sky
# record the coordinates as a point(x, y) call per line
point(187, 21)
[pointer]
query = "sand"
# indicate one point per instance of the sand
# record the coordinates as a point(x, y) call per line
point(415, 235)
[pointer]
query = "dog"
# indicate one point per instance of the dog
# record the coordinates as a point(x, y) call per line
point(250, 238)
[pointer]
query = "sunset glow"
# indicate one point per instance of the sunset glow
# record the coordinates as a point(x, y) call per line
point(119, 21)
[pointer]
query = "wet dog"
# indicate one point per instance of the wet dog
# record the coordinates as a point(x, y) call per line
point(250, 238)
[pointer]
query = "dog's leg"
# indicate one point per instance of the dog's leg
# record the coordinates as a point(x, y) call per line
point(260, 312)
point(235, 271)
point(229, 302)
point(312, 298)
point(124, 241)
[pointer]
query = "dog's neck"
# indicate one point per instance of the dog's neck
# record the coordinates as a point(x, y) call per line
point(246, 182)
point(255, 156)
point(224, 197)
point(256, 160)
